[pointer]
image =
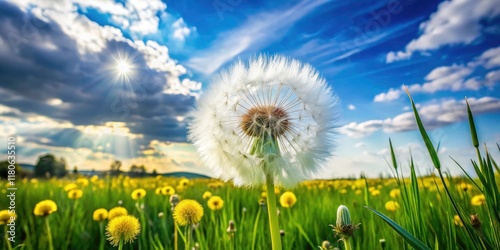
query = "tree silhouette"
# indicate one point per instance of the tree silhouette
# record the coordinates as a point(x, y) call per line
point(48, 165)
point(115, 167)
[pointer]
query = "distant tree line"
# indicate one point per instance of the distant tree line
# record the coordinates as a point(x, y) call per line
point(49, 166)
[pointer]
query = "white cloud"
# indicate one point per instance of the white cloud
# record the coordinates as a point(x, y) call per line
point(391, 94)
point(351, 107)
point(258, 31)
point(452, 77)
point(141, 17)
point(359, 145)
point(455, 22)
point(432, 115)
point(181, 29)
point(490, 58)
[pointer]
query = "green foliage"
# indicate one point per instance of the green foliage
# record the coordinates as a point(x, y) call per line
point(48, 165)
point(4, 170)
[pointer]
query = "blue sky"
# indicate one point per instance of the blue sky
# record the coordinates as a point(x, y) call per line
point(62, 91)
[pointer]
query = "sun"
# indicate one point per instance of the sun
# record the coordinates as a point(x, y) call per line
point(123, 67)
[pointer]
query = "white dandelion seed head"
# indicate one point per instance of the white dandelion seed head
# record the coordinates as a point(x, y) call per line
point(282, 97)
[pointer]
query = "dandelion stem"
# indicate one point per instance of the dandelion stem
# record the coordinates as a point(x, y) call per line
point(101, 230)
point(347, 244)
point(273, 213)
point(188, 242)
point(49, 233)
point(120, 245)
point(176, 238)
point(7, 241)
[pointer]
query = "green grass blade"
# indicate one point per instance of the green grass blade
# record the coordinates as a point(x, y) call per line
point(393, 156)
point(425, 136)
point(472, 126)
point(407, 236)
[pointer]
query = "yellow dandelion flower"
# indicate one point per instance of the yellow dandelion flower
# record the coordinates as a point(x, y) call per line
point(117, 212)
point(392, 206)
point(207, 195)
point(188, 212)
point(168, 190)
point(263, 195)
point(358, 192)
point(457, 221)
point(478, 200)
point(6, 217)
point(124, 228)
point(395, 193)
point(343, 191)
point(83, 182)
point(371, 189)
point(75, 194)
point(70, 187)
point(138, 194)
point(184, 182)
point(288, 199)
point(100, 214)
point(464, 186)
point(158, 191)
point(215, 203)
point(375, 192)
point(94, 178)
point(44, 208)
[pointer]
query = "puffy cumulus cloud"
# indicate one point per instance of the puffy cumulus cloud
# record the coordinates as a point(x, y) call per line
point(455, 77)
point(432, 115)
point(391, 94)
point(454, 22)
point(62, 67)
point(351, 107)
point(181, 29)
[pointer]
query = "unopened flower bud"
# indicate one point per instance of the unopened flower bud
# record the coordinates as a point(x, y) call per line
point(382, 243)
point(282, 232)
point(231, 228)
point(344, 226)
point(174, 200)
point(326, 245)
point(160, 215)
point(475, 222)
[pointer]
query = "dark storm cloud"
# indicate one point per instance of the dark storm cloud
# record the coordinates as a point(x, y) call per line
point(39, 63)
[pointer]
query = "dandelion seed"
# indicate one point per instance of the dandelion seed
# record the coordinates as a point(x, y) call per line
point(188, 212)
point(275, 110)
point(100, 214)
point(44, 208)
point(124, 228)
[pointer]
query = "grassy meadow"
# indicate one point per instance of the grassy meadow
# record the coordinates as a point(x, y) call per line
point(431, 212)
